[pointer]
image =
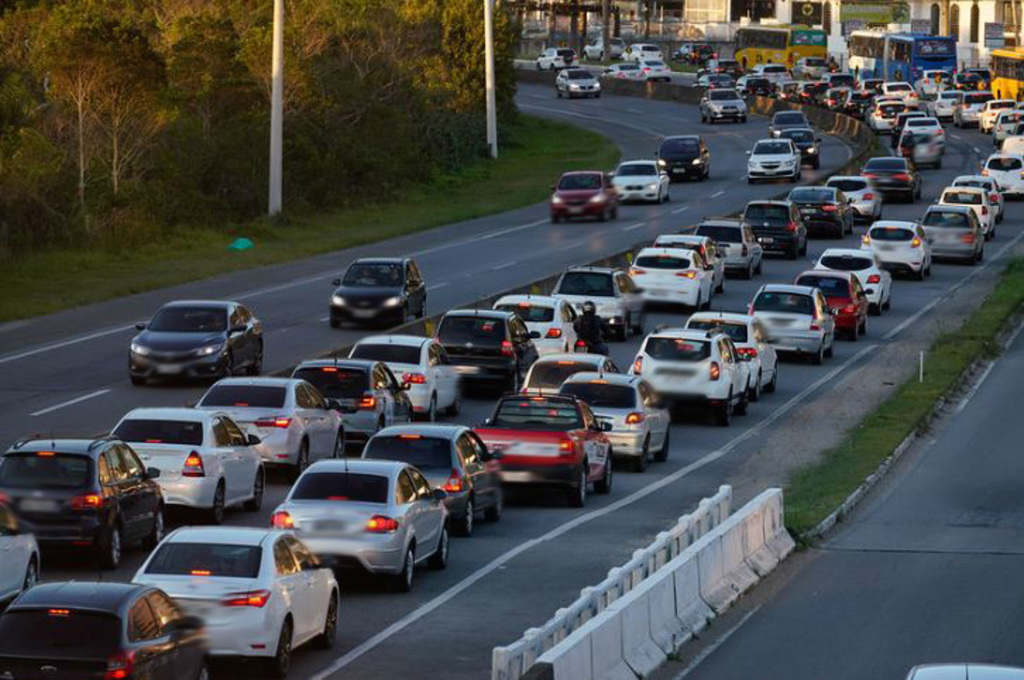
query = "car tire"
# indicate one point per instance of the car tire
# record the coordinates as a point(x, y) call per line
point(755, 392)
point(258, 487)
point(864, 326)
point(757, 269)
point(576, 495)
point(749, 273)
point(750, 180)
point(465, 525)
point(278, 665)
point(301, 459)
point(774, 384)
point(402, 581)
point(640, 462)
point(493, 513)
point(152, 540)
point(215, 515)
point(819, 358)
point(604, 485)
point(555, 219)
point(327, 636)
point(335, 323)
point(339, 443)
point(831, 349)
point(136, 380)
point(455, 407)
point(110, 549)
point(603, 217)
point(638, 327)
point(661, 455)
point(816, 163)
point(742, 404)
point(721, 286)
point(257, 363)
point(558, 93)
point(723, 414)
point(743, 119)
point(920, 274)
point(439, 560)
point(431, 416)
point(854, 333)
point(31, 574)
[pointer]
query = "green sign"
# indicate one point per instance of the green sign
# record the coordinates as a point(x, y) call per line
point(875, 13)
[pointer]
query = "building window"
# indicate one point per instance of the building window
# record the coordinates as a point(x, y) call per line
point(975, 16)
point(936, 13)
point(954, 22)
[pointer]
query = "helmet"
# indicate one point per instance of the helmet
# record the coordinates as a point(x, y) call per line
point(589, 307)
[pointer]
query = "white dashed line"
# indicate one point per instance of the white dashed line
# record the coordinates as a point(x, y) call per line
point(679, 210)
point(70, 402)
point(506, 265)
point(634, 226)
point(438, 286)
point(66, 343)
point(717, 194)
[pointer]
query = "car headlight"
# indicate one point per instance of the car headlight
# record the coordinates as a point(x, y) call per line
point(139, 349)
point(597, 198)
point(812, 150)
point(393, 301)
point(574, 87)
point(210, 349)
point(556, 199)
point(652, 187)
point(696, 161)
point(337, 300)
point(662, 162)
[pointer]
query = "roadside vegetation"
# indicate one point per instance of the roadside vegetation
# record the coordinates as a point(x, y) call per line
point(815, 491)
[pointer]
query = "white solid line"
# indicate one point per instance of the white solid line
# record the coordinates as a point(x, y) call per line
point(481, 237)
point(718, 193)
point(600, 118)
point(69, 403)
point(569, 246)
point(956, 137)
point(635, 111)
point(325, 318)
point(976, 150)
point(438, 286)
point(974, 389)
point(439, 601)
point(679, 210)
point(699, 659)
point(506, 265)
point(634, 226)
point(66, 343)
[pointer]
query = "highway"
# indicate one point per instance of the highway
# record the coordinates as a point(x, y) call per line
point(512, 575)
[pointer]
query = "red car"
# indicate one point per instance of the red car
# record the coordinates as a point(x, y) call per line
point(550, 441)
point(845, 296)
point(584, 194)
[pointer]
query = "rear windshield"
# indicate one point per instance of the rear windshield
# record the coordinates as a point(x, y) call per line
point(396, 354)
point(777, 301)
point(553, 373)
point(341, 486)
point(253, 396)
point(790, 118)
point(336, 382)
point(74, 634)
point(886, 164)
point(846, 263)
point(207, 559)
point(891, 234)
point(1003, 164)
point(995, 106)
point(762, 212)
point(812, 195)
point(848, 184)
point(898, 87)
point(421, 452)
point(586, 283)
point(530, 313)
point(814, 61)
point(541, 414)
point(918, 121)
point(842, 79)
point(949, 95)
point(736, 331)
point(662, 262)
point(798, 135)
point(979, 98)
point(829, 285)
point(45, 471)
point(601, 395)
point(677, 349)
point(190, 320)
point(459, 329)
point(962, 197)
point(943, 218)
point(720, 233)
point(187, 432)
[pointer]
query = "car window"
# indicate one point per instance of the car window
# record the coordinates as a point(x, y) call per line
point(163, 608)
point(284, 561)
point(238, 438)
point(106, 473)
point(467, 452)
point(132, 463)
point(406, 491)
point(315, 397)
point(302, 399)
point(142, 622)
point(421, 484)
point(8, 524)
point(220, 434)
point(303, 556)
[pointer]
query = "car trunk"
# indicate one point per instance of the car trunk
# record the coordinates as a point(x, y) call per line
point(202, 595)
point(324, 518)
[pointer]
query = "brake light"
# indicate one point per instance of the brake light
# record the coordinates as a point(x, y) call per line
point(506, 348)
point(581, 344)
point(328, 369)
point(869, 175)
point(634, 418)
point(554, 333)
point(902, 176)
point(279, 421)
point(865, 239)
point(875, 278)
point(869, 196)
point(967, 238)
point(89, 501)
point(282, 520)
point(368, 403)
point(850, 309)
point(45, 454)
point(638, 364)
point(193, 466)
point(634, 271)
point(253, 598)
point(565, 446)
point(688, 274)
point(994, 197)
point(747, 352)
point(379, 524)
point(984, 210)
point(63, 613)
point(791, 226)
point(454, 483)
point(120, 666)
point(415, 378)
point(716, 371)
point(815, 326)
point(828, 208)
point(201, 572)
point(915, 243)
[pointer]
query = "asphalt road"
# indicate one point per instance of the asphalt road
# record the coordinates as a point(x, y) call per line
point(927, 572)
point(512, 575)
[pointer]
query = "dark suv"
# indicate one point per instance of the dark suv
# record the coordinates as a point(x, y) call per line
point(779, 227)
point(807, 142)
point(379, 289)
point(487, 345)
point(74, 493)
point(684, 157)
point(824, 209)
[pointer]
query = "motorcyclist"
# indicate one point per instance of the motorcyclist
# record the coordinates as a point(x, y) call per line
point(592, 329)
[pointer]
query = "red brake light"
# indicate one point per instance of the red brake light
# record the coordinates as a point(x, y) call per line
point(193, 466)
point(506, 348)
point(747, 352)
point(379, 524)
point(850, 309)
point(634, 418)
point(967, 238)
point(916, 243)
point(688, 274)
point(201, 572)
point(828, 208)
point(282, 520)
point(120, 666)
point(580, 344)
point(329, 369)
point(716, 371)
point(791, 226)
point(87, 501)
point(280, 421)
point(554, 333)
point(869, 175)
point(63, 613)
point(454, 483)
point(869, 197)
point(635, 271)
point(638, 364)
point(565, 446)
point(45, 454)
point(255, 598)
point(984, 210)
point(415, 378)
point(368, 403)
point(902, 176)
point(875, 278)
point(994, 197)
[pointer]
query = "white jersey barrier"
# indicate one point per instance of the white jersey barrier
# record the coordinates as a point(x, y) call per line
point(513, 661)
point(635, 633)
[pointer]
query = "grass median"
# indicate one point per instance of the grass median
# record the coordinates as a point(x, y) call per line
point(49, 281)
point(817, 490)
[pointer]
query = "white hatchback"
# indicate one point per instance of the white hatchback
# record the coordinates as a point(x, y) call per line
point(991, 111)
point(903, 90)
point(641, 181)
point(1008, 172)
point(945, 103)
point(422, 364)
point(989, 185)
point(655, 69)
point(628, 71)
point(900, 247)
point(551, 321)
point(638, 51)
point(751, 339)
point(673, 276)
point(773, 158)
point(705, 247)
point(875, 280)
point(977, 199)
point(797, 319)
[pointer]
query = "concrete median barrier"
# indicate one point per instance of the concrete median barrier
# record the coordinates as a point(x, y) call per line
point(777, 538)
point(639, 650)
point(692, 612)
point(734, 562)
point(715, 589)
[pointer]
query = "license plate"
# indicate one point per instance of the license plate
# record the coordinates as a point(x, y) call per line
point(515, 476)
point(885, 248)
point(575, 211)
point(330, 525)
point(168, 368)
point(766, 239)
point(39, 505)
point(678, 171)
point(466, 370)
point(364, 313)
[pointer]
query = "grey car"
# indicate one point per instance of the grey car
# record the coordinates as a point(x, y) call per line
point(954, 232)
point(722, 104)
point(381, 516)
point(797, 318)
point(785, 120)
point(737, 243)
point(864, 198)
point(452, 458)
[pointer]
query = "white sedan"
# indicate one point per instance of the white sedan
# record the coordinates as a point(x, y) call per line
point(655, 69)
point(674, 276)
point(977, 199)
point(641, 181)
point(1008, 172)
point(422, 364)
point(260, 592)
point(552, 320)
point(928, 124)
point(206, 461)
point(901, 247)
point(945, 103)
point(629, 71)
point(750, 337)
point(19, 568)
point(772, 158)
point(876, 281)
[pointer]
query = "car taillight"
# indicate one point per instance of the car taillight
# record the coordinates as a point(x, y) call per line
point(638, 364)
point(253, 598)
point(869, 197)
point(581, 344)
point(367, 402)
point(915, 242)
point(278, 421)
point(984, 210)
point(828, 208)
point(193, 466)
point(454, 483)
point(565, 447)
point(869, 175)
point(636, 271)
point(634, 418)
point(747, 352)
point(282, 520)
point(506, 348)
point(379, 524)
point(715, 372)
point(902, 176)
point(554, 333)
point(791, 226)
point(120, 666)
point(815, 326)
point(850, 309)
point(646, 69)
point(994, 197)
point(688, 274)
point(414, 378)
point(743, 250)
point(967, 238)
point(89, 501)
point(984, 172)
point(865, 239)
point(875, 278)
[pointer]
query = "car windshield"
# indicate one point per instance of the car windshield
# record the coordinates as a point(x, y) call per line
point(336, 382)
point(581, 182)
point(580, 75)
point(919, 121)
point(798, 135)
point(530, 313)
point(677, 349)
point(586, 283)
point(762, 212)
point(396, 354)
point(737, 332)
point(770, 148)
point(207, 560)
point(537, 413)
point(721, 233)
point(848, 185)
point(890, 109)
point(790, 118)
point(566, 53)
point(551, 374)
point(46, 633)
point(846, 263)
point(628, 67)
point(242, 396)
point(723, 95)
point(946, 218)
point(421, 452)
point(341, 486)
point(143, 430)
point(601, 395)
point(886, 165)
point(829, 285)
point(720, 79)
point(636, 169)
point(463, 329)
point(814, 61)
point(812, 195)
point(679, 147)
point(758, 82)
point(1003, 164)
point(891, 234)
point(190, 320)
point(373, 275)
point(662, 262)
point(949, 95)
point(779, 301)
point(45, 470)
point(962, 197)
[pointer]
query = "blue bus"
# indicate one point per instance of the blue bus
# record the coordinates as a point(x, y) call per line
point(900, 56)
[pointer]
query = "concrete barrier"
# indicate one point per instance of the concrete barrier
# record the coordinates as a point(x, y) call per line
point(777, 538)
point(734, 562)
point(639, 650)
point(715, 589)
point(758, 555)
point(692, 611)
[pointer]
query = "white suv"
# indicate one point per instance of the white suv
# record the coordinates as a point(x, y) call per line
point(705, 247)
point(673, 276)
point(639, 51)
point(978, 201)
point(749, 336)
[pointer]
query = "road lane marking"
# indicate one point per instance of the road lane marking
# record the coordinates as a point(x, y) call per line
point(717, 194)
point(70, 402)
point(325, 318)
point(438, 286)
point(497, 563)
point(506, 265)
point(679, 210)
point(481, 237)
point(988, 369)
point(635, 111)
point(617, 123)
point(699, 659)
point(634, 226)
point(66, 343)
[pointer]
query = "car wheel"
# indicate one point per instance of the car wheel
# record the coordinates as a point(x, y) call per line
point(439, 560)
point(325, 640)
point(819, 358)
point(256, 502)
point(773, 385)
point(279, 664)
point(723, 413)
point(402, 581)
point(335, 323)
point(749, 274)
point(257, 364)
point(640, 462)
point(577, 493)
point(921, 273)
point(757, 269)
point(816, 163)
point(864, 326)
point(31, 575)
point(136, 380)
point(301, 459)
point(339, 443)
point(493, 513)
point(721, 286)
point(874, 310)
point(854, 334)
point(432, 409)
point(755, 392)
point(830, 350)
point(743, 119)
point(603, 217)
point(604, 485)
point(555, 219)
point(229, 366)
point(465, 527)
point(110, 549)
point(742, 404)
point(661, 455)
point(638, 327)
point(455, 407)
point(153, 539)
point(794, 252)
point(215, 515)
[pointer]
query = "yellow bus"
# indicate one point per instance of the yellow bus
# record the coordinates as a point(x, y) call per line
point(1008, 73)
point(779, 45)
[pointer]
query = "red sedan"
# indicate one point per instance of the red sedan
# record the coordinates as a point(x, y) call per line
point(845, 296)
point(584, 194)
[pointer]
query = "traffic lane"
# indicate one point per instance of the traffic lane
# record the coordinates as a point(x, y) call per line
point(932, 559)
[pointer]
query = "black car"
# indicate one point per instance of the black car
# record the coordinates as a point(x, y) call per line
point(857, 103)
point(197, 339)
point(808, 142)
point(825, 210)
point(810, 92)
point(729, 66)
point(758, 87)
point(785, 120)
point(379, 290)
point(894, 176)
point(873, 85)
point(111, 631)
point(779, 227)
point(81, 493)
point(968, 81)
point(684, 157)
point(487, 346)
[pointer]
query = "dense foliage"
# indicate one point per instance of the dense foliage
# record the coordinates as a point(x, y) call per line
point(120, 119)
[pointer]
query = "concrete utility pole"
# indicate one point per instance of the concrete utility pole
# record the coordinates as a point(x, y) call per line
point(606, 33)
point(492, 113)
point(277, 112)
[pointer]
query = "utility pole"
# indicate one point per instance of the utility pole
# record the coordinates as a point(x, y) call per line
point(606, 32)
point(492, 113)
point(277, 111)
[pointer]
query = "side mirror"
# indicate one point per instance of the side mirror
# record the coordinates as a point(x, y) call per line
point(747, 152)
point(486, 421)
point(152, 473)
point(604, 426)
point(335, 282)
point(535, 334)
point(253, 440)
point(438, 494)
point(406, 386)
point(861, 295)
point(140, 326)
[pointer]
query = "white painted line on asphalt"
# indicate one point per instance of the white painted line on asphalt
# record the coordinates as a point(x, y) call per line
point(634, 226)
point(617, 123)
point(284, 286)
point(66, 343)
point(635, 111)
point(699, 659)
point(497, 563)
point(956, 137)
point(976, 150)
point(718, 193)
point(477, 239)
point(70, 402)
point(974, 389)
point(569, 246)
point(679, 210)
point(438, 286)
point(506, 265)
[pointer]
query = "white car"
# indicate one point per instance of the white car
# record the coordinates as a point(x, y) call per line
point(722, 104)
point(206, 460)
point(900, 247)
point(577, 82)
point(547, 374)
point(773, 158)
point(865, 199)
point(640, 422)
point(421, 364)
point(876, 281)
point(965, 671)
point(776, 73)
point(674, 276)
point(613, 293)
point(20, 566)
point(797, 318)
point(551, 321)
point(968, 112)
point(628, 71)
point(750, 337)
point(905, 91)
point(1008, 172)
point(810, 68)
point(1006, 125)
point(556, 58)
point(930, 82)
point(883, 115)
point(294, 422)
point(260, 592)
point(705, 247)
point(655, 69)
point(1013, 145)
point(595, 48)
point(638, 51)
point(978, 201)
point(641, 181)
point(929, 124)
point(991, 111)
point(995, 196)
point(944, 104)
point(737, 245)
point(697, 368)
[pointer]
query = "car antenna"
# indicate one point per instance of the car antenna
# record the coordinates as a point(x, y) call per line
point(335, 358)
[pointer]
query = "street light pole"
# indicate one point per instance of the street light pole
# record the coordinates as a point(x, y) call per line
point(277, 111)
point(492, 114)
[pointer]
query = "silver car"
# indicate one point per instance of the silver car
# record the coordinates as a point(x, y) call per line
point(863, 196)
point(452, 458)
point(722, 104)
point(381, 516)
point(797, 319)
point(737, 244)
point(640, 422)
point(965, 671)
point(954, 232)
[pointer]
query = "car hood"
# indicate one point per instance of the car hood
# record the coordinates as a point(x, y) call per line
point(726, 102)
point(634, 179)
point(771, 158)
point(169, 342)
point(583, 81)
point(368, 292)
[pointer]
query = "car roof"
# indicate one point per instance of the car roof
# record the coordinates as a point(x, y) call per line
point(769, 201)
point(169, 413)
point(539, 300)
point(722, 223)
point(965, 671)
point(675, 137)
point(720, 316)
point(595, 359)
point(696, 239)
point(86, 447)
point(973, 178)
point(106, 596)
point(826, 273)
point(682, 333)
point(950, 208)
point(261, 381)
point(846, 178)
point(365, 364)
point(666, 250)
point(224, 534)
point(895, 224)
point(217, 304)
point(432, 430)
point(970, 190)
point(848, 252)
point(403, 340)
point(886, 158)
point(573, 173)
point(787, 288)
point(591, 270)
point(610, 378)
point(638, 161)
point(485, 313)
point(384, 468)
